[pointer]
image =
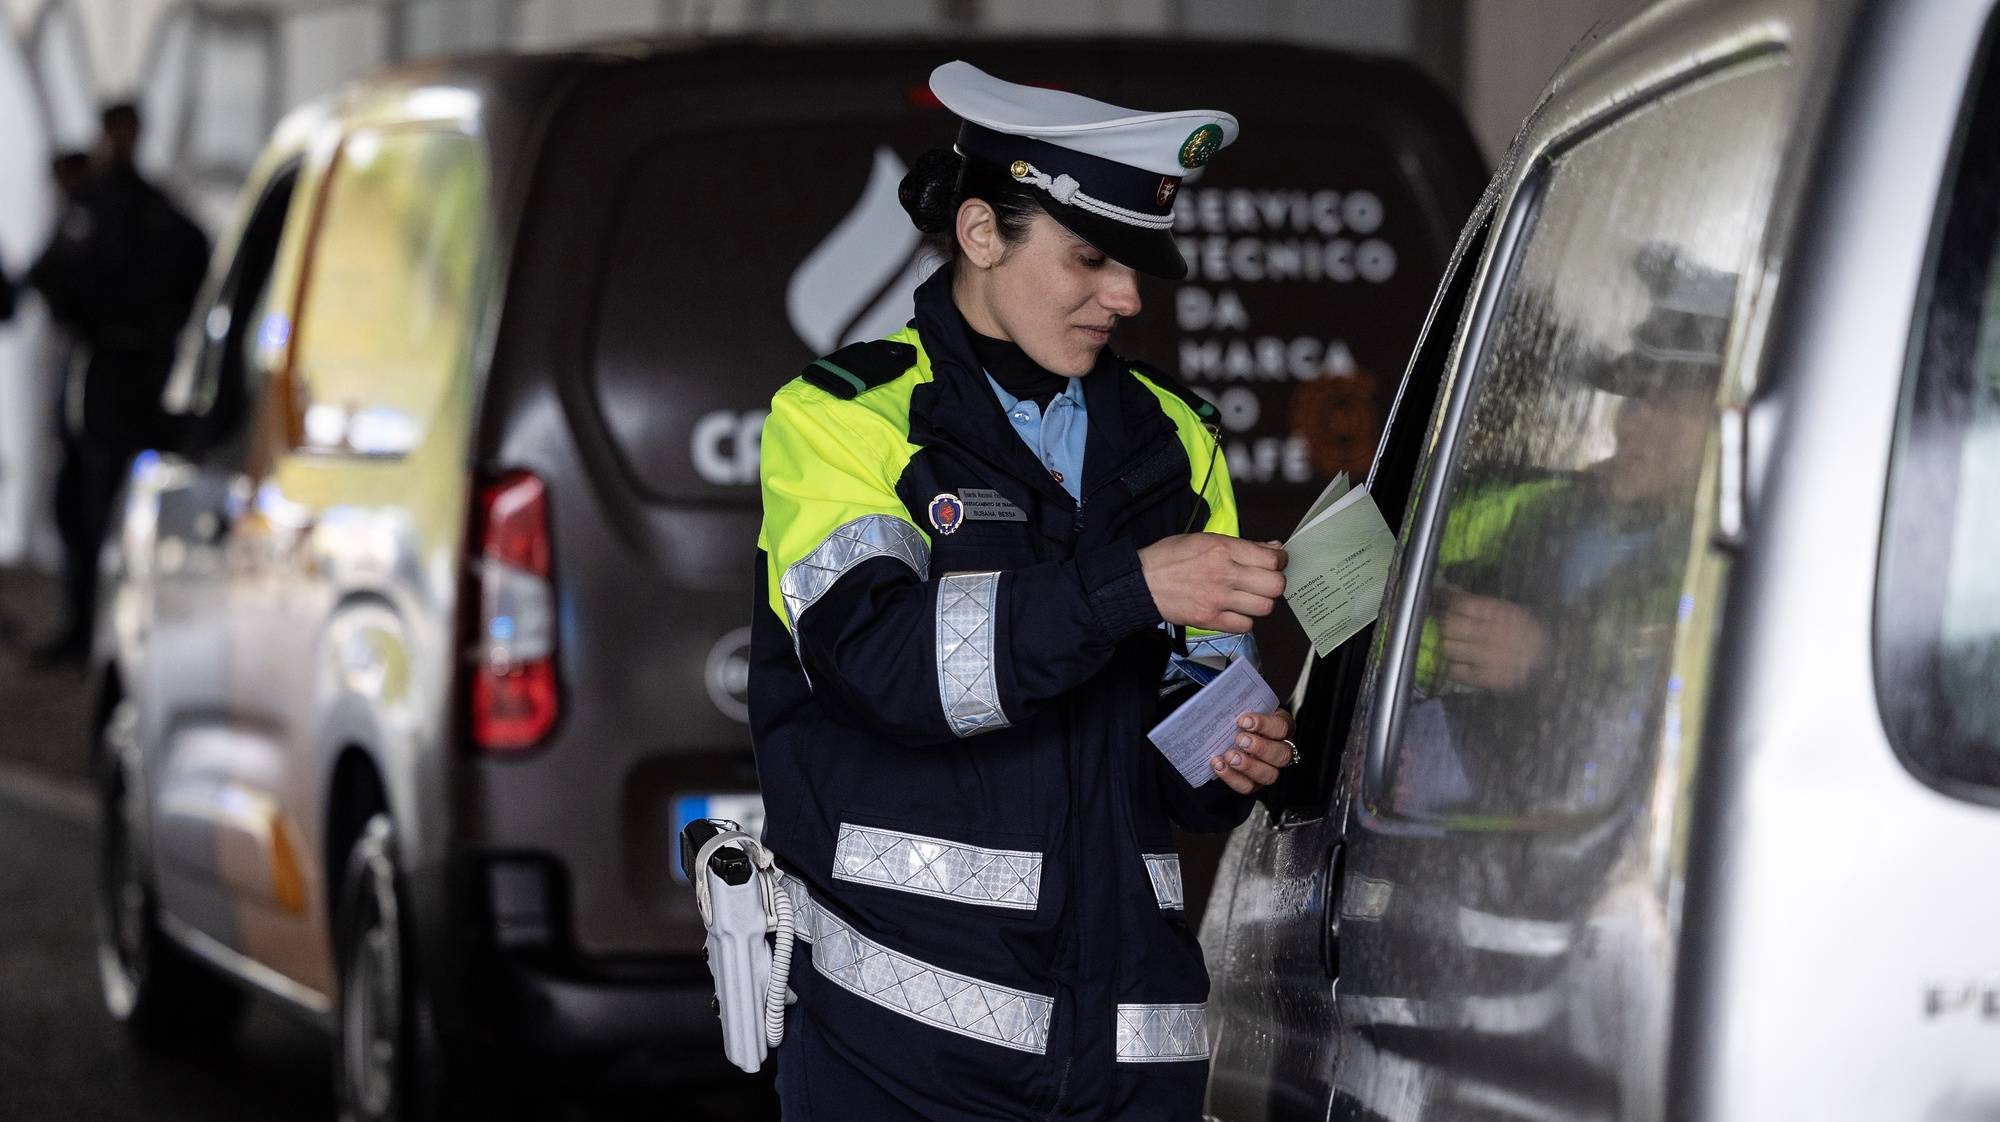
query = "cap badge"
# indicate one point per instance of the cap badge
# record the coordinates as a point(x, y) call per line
point(1168, 186)
point(1201, 145)
point(947, 513)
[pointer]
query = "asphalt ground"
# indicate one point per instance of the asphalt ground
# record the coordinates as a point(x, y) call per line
point(44, 715)
point(61, 1055)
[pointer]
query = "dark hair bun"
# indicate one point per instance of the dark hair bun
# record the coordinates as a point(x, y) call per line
point(927, 190)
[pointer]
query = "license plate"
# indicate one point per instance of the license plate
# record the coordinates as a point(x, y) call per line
point(746, 810)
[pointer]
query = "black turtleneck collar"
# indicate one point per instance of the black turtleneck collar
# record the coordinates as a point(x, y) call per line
point(938, 316)
point(1015, 371)
point(958, 401)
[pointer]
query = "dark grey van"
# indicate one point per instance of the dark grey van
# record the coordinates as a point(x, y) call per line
point(430, 638)
point(1669, 784)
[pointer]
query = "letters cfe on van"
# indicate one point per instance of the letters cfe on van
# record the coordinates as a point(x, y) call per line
point(1337, 564)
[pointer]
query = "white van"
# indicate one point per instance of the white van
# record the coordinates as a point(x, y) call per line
point(1668, 785)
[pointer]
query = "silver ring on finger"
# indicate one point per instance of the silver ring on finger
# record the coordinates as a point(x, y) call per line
point(1295, 751)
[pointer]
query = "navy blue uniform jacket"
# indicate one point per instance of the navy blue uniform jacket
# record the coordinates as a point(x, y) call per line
point(950, 732)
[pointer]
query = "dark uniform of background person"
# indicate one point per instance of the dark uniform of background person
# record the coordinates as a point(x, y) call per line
point(119, 277)
point(973, 566)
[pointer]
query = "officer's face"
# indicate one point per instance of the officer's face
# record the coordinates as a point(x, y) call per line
point(1058, 298)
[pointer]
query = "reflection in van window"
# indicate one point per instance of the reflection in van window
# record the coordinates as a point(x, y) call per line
point(1938, 614)
point(388, 311)
point(1969, 631)
point(1541, 671)
point(229, 376)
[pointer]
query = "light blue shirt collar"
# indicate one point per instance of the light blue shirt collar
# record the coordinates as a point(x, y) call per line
point(1056, 435)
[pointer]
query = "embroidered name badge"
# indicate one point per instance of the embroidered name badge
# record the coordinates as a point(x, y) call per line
point(990, 506)
point(947, 513)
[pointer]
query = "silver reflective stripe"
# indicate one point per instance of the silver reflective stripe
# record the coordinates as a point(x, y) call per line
point(1001, 878)
point(1165, 871)
point(1162, 1033)
point(871, 535)
point(1225, 646)
point(953, 1002)
point(966, 686)
point(1213, 651)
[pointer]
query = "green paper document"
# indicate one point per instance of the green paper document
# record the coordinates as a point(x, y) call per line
point(1337, 564)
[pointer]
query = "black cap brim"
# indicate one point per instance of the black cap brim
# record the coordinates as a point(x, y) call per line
point(1037, 166)
point(1152, 252)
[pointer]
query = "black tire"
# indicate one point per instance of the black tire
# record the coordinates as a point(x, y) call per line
point(163, 995)
point(389, 1065)
point(374, 1057)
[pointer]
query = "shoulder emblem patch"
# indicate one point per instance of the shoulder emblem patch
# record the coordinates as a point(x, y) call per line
point(859, 367)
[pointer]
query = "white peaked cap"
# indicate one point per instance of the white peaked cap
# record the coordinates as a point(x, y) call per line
point(1109, 174)
point(1154, 142)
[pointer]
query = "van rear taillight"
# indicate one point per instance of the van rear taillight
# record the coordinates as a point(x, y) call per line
point(514, 696)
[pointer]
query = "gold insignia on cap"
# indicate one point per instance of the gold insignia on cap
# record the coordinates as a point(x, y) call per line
point(1201, 145)
point(1020, 169)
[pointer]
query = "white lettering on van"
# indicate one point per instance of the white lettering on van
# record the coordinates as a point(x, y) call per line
point(1265, 359)
point(1267, 459)
point(723, 446)
point(1239, 210)
point(1201, 310)
point(1217, 259)
point(857, 282)
point(1239, 408)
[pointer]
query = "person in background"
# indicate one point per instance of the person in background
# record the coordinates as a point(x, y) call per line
point(70, 172)
point(120, 277)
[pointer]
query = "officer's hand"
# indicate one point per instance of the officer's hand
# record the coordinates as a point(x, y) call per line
point(1213, 582)
point(1261, 749)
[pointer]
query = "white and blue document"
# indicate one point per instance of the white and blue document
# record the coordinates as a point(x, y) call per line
point(1205, 725)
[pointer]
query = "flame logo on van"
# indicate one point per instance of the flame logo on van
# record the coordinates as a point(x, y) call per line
point(856, 284)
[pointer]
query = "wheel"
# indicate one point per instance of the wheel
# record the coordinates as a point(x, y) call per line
point(389, 1064)
point(159, 992)
point(373, 1068)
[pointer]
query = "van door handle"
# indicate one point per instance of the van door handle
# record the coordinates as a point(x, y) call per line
point(1329, 935)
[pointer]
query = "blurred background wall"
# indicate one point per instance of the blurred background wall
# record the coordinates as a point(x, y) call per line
point(213, 76)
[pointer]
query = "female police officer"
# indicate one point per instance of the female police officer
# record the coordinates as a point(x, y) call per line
point(973, 555)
